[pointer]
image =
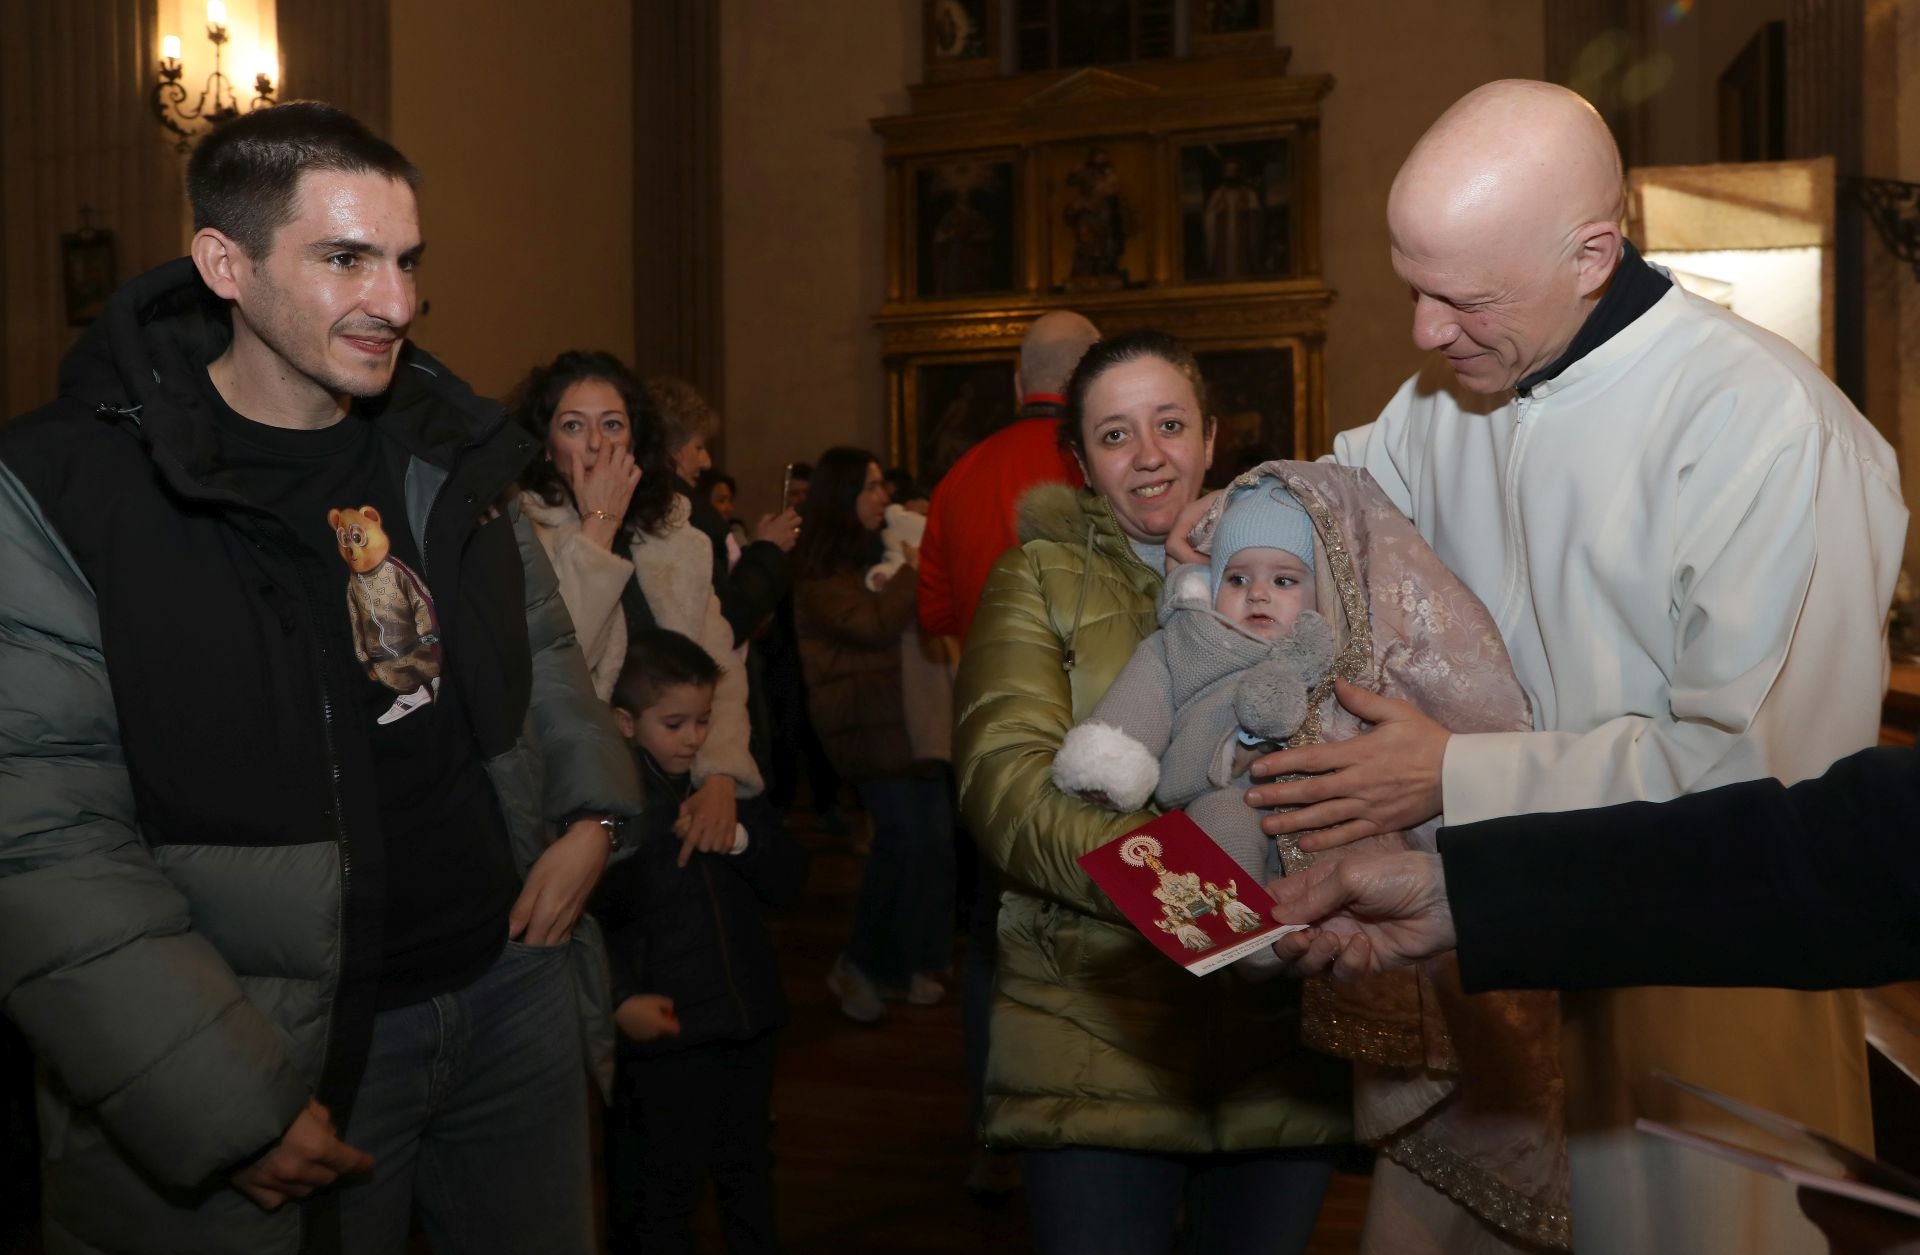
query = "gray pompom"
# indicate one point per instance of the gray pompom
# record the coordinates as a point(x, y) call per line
point(1308, 648)
point(1271, 700)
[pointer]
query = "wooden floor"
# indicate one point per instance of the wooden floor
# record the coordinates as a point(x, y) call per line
point(871, 1139)
point(870, 1136)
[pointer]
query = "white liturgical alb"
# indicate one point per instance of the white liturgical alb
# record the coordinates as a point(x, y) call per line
point(1689, 539)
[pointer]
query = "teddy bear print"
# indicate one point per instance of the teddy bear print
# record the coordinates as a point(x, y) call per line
point(389, 612)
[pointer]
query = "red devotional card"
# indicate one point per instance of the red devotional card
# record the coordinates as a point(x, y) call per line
point(1185, 894)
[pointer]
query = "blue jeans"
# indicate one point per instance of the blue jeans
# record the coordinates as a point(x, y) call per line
point(1089, 1200)
point(903, 920)
point(474, 1108)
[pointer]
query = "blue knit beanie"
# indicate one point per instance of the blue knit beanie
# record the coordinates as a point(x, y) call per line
point(1263, 516)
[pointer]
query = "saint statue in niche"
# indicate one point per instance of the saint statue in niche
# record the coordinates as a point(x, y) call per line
point(1100, 221)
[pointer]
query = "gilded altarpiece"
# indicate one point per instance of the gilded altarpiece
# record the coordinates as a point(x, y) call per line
point(1182, 195)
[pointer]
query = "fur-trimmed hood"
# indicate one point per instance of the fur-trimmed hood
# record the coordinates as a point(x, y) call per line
point(1060, 512)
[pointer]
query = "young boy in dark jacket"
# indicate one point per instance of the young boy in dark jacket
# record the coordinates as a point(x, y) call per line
point(696, 991)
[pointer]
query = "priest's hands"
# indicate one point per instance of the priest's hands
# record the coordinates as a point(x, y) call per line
point(1367, 914)
point(1387, 779)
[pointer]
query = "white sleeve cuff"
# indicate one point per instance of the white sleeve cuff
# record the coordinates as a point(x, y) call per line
point(1100, 758)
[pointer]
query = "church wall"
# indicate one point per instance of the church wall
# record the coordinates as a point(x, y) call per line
point(78, 139)
point(802, 225)
point(1682, 65)
point(523, 129)
point(1389, 87)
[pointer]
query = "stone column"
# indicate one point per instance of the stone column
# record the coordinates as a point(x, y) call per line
point(676, 203)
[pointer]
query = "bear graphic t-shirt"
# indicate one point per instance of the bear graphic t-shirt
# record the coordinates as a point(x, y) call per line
point(449, 871)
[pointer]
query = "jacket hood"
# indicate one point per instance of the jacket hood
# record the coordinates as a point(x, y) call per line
point(143, 358)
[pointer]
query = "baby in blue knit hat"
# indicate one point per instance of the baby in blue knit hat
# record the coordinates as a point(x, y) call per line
point(1262, 562)
point(1229, 676)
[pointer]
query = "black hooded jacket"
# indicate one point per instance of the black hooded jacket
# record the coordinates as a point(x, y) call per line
point(200, 671)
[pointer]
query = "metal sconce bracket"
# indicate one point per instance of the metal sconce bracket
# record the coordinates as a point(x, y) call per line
point(1895, 209)
point(217, 103)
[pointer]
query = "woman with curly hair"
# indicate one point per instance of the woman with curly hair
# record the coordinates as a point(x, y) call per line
point(602, 501)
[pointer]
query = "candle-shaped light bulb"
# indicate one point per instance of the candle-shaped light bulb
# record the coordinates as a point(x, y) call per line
point(216, 13)
point(170, 47)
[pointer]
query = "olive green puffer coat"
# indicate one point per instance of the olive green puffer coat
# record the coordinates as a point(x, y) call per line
point(1098, 1039)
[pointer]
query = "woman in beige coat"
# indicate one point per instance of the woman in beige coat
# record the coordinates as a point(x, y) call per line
point(602, 502)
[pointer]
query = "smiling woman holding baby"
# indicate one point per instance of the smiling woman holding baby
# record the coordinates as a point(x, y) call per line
point(1130, 1086)
point(1077, 716)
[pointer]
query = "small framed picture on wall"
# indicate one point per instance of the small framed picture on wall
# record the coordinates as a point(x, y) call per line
point(89, 273)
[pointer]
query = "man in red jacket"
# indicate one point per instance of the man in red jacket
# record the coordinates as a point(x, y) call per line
point(970, 522)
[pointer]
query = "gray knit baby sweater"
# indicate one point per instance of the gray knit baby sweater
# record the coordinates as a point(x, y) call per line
point(1199, 700)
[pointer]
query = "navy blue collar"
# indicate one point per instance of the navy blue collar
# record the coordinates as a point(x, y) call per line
point(1635, 288)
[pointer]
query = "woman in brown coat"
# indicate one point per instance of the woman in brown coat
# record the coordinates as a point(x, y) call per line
point(850, 653)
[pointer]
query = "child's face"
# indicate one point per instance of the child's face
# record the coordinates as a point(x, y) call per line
point(1264, 591)
point(674, 727)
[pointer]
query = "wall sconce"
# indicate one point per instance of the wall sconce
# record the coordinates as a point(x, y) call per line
point(1894, 208)
point(218, 102)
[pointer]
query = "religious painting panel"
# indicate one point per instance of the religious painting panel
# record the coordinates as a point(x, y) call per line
point(1236, 203)
point(1254, 394)
point(1228, 26)
point(954, 405)
point(966, 230)
point(962, 39)
point(1100, 211)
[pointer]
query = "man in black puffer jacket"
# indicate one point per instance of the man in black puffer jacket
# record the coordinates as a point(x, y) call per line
point(696, 986)
point(302, 779)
